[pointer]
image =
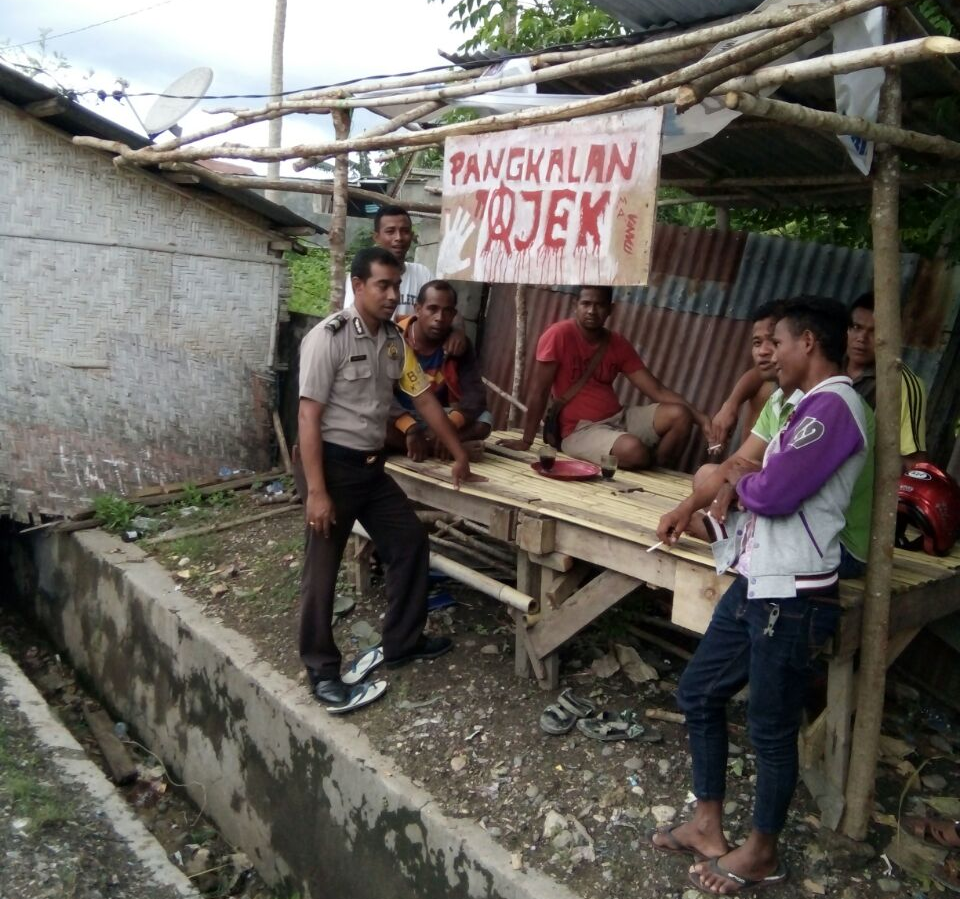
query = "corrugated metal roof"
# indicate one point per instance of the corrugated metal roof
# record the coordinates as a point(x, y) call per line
point(691, 324)
point(646, 13)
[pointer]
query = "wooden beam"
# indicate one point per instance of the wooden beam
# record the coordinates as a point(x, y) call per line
point(885, 218)
point(590, 601)
point(41, 109)
point(834, 123)
point(337, 236)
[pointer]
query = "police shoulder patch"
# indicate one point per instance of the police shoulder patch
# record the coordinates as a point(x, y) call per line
point(336, 323)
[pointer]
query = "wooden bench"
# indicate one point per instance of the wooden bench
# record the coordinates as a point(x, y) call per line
point(564, 531)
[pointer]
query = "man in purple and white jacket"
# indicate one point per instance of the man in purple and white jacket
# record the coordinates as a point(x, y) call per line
point(783, 541)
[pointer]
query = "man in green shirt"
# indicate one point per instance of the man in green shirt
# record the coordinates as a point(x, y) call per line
point(711, 490)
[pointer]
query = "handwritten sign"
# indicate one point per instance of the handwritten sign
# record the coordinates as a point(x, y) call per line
point(571, 203)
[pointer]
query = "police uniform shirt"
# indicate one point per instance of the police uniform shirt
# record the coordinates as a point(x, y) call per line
point(353, 372)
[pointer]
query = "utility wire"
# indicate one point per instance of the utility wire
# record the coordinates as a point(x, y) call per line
point(53, 37)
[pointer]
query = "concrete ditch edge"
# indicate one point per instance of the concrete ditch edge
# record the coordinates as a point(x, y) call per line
point(73, 764)
point(305, 795)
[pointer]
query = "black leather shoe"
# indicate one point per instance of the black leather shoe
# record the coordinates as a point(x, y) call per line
point(426, 648)
point(331, 692)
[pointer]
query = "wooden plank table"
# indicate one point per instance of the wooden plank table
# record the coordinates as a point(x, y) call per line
point(565, 530)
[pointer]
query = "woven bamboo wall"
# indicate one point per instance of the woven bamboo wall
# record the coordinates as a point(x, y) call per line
point(137, 327)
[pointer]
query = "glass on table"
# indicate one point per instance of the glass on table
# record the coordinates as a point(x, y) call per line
point(608, 465)
point(548, 455)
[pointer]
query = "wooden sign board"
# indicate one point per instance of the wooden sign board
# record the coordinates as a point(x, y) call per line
point(570, 203)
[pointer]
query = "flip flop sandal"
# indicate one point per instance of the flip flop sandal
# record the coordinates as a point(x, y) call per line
point(556, 721)
point(743, 885)
point(649, 735)
point(941, 831)
point(361, 695)
point(363, 665)
point(608, 727)
point(579, 708)
point(441, 599)
point(672, 844)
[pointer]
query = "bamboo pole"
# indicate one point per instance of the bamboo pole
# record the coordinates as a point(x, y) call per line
point(630, 96)
point(401, 179)
point(303, 185)
point(519, 350)
point(509, 397)
point(874, 636)
point(906, 177)
point(688, 95)
point(834, 123)
point(480, 582)
point(276, 88)
point(263, 114)
point(398, 121)
point(178, 533)
point(337, 236)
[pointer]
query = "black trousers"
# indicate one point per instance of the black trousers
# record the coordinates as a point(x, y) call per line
point(362, 491)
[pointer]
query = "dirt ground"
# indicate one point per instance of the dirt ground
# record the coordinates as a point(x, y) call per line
point(466, 728)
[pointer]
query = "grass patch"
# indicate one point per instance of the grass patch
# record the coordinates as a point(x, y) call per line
point(21, 783)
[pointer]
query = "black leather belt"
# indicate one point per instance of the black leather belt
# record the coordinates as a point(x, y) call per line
point(349, 456)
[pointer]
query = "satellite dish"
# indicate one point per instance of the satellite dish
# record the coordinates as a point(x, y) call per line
point(179, 98)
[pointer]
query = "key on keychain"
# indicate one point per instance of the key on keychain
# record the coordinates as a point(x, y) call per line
point(771, 621)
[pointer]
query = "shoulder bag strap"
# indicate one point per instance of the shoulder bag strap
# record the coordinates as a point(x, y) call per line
point(576, 387)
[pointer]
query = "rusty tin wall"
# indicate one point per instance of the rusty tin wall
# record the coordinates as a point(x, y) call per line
point(691, 323)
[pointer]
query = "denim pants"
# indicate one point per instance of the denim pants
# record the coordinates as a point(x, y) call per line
point(736, 650)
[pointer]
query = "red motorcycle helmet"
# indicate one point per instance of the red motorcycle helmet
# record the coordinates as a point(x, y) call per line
point(928, 499)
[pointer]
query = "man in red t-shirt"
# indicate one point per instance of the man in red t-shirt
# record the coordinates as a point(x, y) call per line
point(593, 423)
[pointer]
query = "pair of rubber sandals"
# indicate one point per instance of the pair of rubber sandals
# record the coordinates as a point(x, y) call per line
point(561, 717)
point(571, 711)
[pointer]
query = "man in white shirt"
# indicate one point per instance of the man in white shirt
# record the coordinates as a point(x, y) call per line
point(393, 230)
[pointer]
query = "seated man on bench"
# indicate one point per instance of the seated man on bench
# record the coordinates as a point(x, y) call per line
point(581, 353)
point(454, 380)
point(711, 491)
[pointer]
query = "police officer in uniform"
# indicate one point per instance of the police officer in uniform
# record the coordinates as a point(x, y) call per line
point(349, 364)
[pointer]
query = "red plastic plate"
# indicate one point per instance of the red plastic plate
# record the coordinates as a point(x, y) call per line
point(568, 470)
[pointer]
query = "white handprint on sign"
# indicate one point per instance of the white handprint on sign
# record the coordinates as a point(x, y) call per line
point(451, 258)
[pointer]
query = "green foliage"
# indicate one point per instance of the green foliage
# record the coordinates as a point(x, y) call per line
point(191, 495)
point(115, 512)
point(310, 277)
point(510, 25)
point(930, 11)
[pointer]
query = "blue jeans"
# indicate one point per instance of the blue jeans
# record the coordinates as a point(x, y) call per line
point(735, 650)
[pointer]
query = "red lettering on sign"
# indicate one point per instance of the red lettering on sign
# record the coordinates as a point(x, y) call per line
point(515, 163)
point(533, 166)
point(618, 162)
point(595, 160)
point(590, 218)
point(472, 168)
point(557, 218)
point(491, 169)
point(535, 199)
point(456, 164)
point(501, 211)
point(630, 233)
point(555, 163)
point(572, 176)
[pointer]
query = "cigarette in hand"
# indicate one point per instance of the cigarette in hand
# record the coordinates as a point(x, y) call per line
point(655, 546)
point(715, 448)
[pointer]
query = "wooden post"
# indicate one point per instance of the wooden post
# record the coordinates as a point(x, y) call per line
point(876, 609)
point(275, 128)
point(519, 351)
point(338, 220)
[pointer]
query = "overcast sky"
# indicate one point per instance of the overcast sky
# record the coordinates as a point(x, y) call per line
point(326, 41)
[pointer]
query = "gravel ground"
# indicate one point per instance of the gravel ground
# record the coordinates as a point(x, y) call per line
point(55, 839)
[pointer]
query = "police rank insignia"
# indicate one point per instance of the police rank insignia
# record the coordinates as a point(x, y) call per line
point(392, 351)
